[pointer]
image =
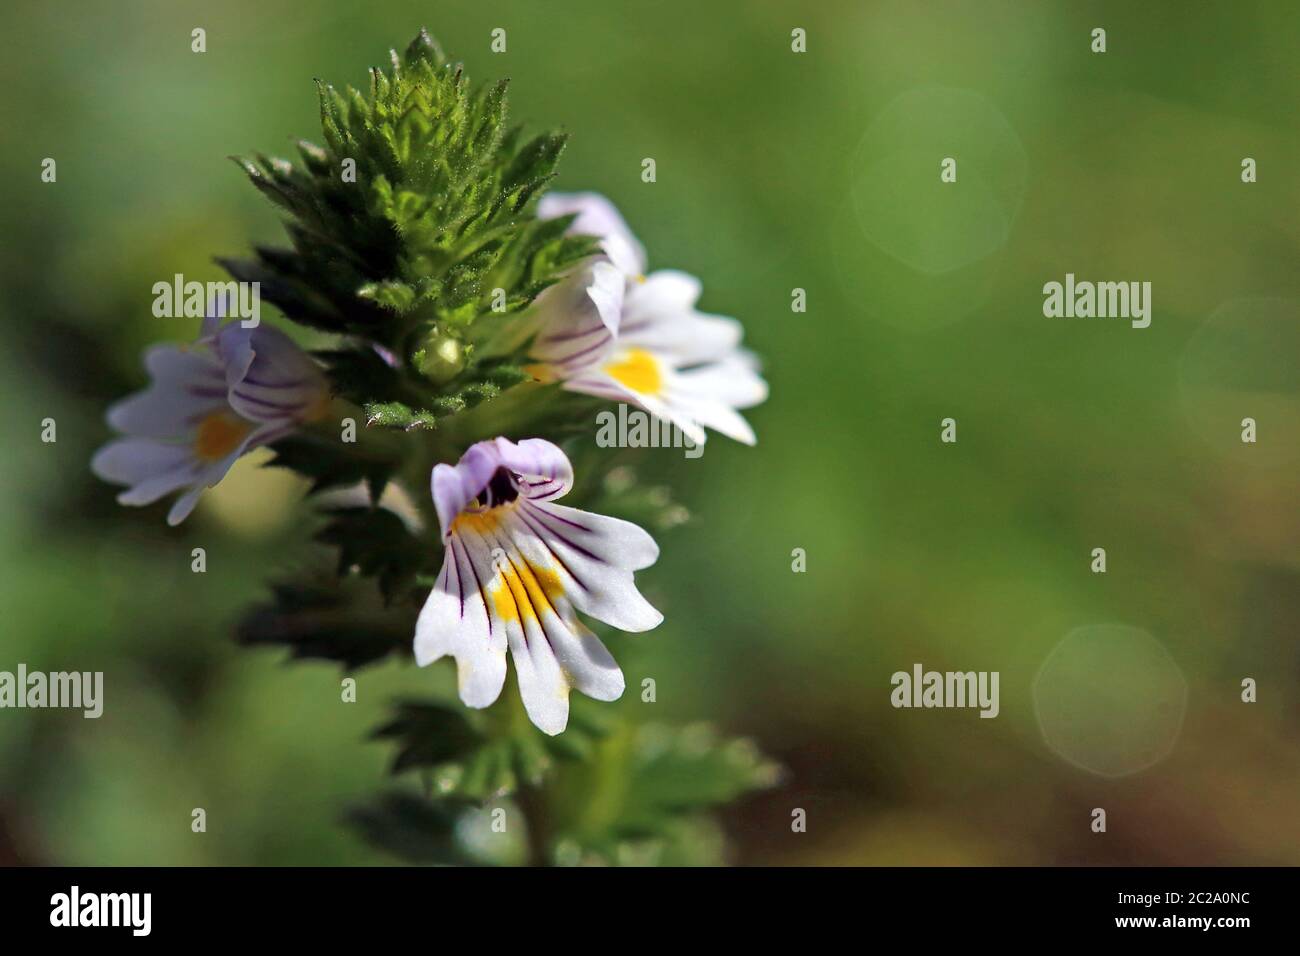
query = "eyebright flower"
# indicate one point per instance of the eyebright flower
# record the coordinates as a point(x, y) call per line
point(517, 569)
point(644, 343)
point(233, 390)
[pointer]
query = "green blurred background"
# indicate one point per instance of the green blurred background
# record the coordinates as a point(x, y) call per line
point(776, 170)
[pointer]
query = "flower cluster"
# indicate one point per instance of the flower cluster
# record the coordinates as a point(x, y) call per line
point(611, 331)
point(233, 390)
point(440, 244)
point(517, 567)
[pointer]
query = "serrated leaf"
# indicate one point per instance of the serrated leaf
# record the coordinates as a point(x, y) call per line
point(645, 789)
point(331, 464)
point(376, 543)
point(438, 214)
point(398, 415)
point(391, 294)
point(475, 755)
point(685, 769)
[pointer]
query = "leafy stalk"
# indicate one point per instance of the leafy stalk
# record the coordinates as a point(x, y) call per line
point(413, 240)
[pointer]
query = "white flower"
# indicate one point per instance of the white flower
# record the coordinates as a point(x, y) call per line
point(233, 390)
point(596, 216)
point(579, 316)
point(610, 331)
point(517, 569)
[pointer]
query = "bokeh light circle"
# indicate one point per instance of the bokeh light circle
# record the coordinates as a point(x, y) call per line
point(1110, 699)
point(902, 205)
point(1241, 363)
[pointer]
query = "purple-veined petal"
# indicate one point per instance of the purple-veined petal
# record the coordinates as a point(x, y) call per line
point(593, 557)
point(552, 650)
point(577, 318)
point(456, 620)
point(544, 472)
point(268, 377)
point(516, 571)
point(186, 385)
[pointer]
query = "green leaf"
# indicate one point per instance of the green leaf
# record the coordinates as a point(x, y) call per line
point(418, 204)
point(376, 543)
point(397, 415)
point(332, 619)
point(362, 375)
point(646, 794)
point(391, 294)
point(683, 769)
point(332, 463)
point(481, 384)
point(411, 828)
point(474, 755)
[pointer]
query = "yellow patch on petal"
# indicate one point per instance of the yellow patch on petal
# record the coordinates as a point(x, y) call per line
point(637, 370)
point(550, 583)
point(481, 522)
point(219, 434)
point(521, 592)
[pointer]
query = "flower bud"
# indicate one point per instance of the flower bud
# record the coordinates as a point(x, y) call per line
point(441, 359)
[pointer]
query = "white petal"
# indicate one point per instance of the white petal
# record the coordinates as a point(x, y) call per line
point(210, 473)
point(268, 376)
point(173, 365)
point(542, 684)
point(667, 291)
point(552, 649)
point(659, 315)
point(130, 461)
point(721, 418)
point(606, 289)
point(183, 506)
point(597, 216)
point(576, 319)
point(159, 486)
point(662, 404)
point(587, 662)
point(732, 381)
point(595, 556)
point(455, 620)
point(186, 386)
